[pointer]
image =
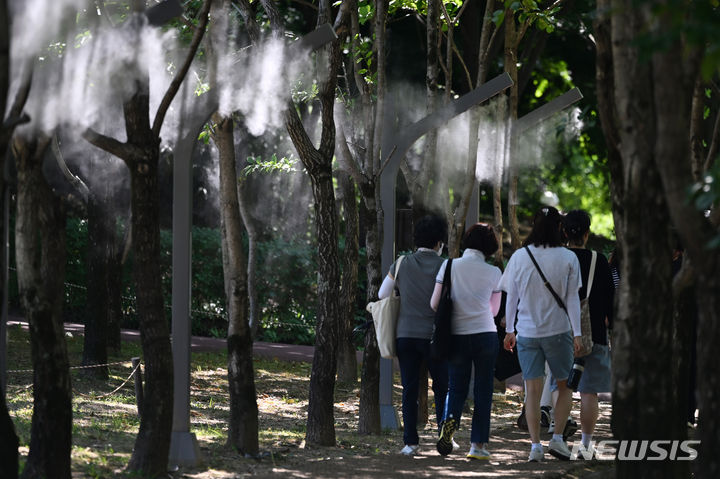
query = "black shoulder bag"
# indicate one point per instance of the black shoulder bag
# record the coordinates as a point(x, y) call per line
point(440, 341)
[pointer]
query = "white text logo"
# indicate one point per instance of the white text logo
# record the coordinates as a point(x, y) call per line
point(637, 450)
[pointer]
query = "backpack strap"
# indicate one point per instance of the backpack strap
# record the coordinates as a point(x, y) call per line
point(591, 275)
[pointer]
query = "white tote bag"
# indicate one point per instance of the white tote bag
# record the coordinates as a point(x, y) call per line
point(385, 315)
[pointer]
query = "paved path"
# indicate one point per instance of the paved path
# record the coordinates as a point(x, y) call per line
point(282, 352)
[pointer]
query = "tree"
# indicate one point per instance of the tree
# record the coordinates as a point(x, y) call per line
point(347, 359)
point(645, 103)
point(364, 165)
point(8, 438)
point(318, 164)
point(40, 258)
point(141, 154)
point(243, 427)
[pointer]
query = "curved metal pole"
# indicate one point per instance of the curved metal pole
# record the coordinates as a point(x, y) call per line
point(394, 147)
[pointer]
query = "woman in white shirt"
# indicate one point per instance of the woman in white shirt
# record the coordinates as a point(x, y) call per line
point(544, 332)
point(474, 287)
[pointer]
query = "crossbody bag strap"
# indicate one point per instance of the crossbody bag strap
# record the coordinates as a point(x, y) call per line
point(447, 278)
point(397, 265)
point(397, 270)
point(545, 281)
point(591, 275)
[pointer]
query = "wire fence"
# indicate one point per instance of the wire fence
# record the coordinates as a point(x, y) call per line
point(132, 374)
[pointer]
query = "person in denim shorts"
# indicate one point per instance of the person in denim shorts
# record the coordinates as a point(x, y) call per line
point(597, 375)
point(543, 330)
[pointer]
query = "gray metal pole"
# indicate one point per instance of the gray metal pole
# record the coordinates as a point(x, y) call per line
point(394, 147)
point(184, 450)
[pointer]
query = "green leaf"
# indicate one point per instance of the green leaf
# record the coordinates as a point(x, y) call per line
point(498, 17)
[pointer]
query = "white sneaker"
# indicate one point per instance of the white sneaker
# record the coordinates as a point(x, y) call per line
point(559, 449)
point(536, 455)
point(551, 427)
point(478, 453)
point(455, 445)
point(409, 450)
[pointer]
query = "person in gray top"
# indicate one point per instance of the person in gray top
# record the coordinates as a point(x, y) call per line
point(415, 283)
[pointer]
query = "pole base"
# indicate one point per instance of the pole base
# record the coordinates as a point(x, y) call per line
point(184, 450)
point(389, 417)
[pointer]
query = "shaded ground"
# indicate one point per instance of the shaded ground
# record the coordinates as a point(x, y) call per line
point(104, 427)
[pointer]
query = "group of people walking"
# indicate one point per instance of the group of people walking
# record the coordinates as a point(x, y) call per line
point(543, 326)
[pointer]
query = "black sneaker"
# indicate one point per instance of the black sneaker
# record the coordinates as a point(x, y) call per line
point(445, 443)
point(571, 427)
point(545, 416)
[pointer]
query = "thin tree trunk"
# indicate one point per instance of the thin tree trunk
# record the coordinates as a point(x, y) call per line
point(243, 426)
point(347, 359)
point(101, 235)
point(320, 423)
point(369, 408)
point(115, 291)
point(318, 164)
point(40, 257)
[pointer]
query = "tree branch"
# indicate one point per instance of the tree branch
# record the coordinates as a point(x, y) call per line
point(248, 14)
point(715, 140)
point(276, 20)
point(22, 93)
point(72, 178)
point(180, 76)
point(345, 156)
point(124, 151)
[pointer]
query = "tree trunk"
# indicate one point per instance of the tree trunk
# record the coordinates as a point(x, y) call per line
point(9, 440)
point(674, 69)
point(152, 444)
point(320, 424)
point(645, 394)
point(141, 154)
point(243, 427)
point(101, 235)
point(40, 257)
point(115, 291)
point(708, 371)
point(347, 359)
point(369, 409)
point(318, 164)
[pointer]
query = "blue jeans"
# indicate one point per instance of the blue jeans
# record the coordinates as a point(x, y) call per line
point(411, 352)
point(468, 350)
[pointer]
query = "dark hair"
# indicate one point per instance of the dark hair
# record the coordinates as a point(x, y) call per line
point(546, 228)
point(481, 237)
point(576, 223)
point(429, 230)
